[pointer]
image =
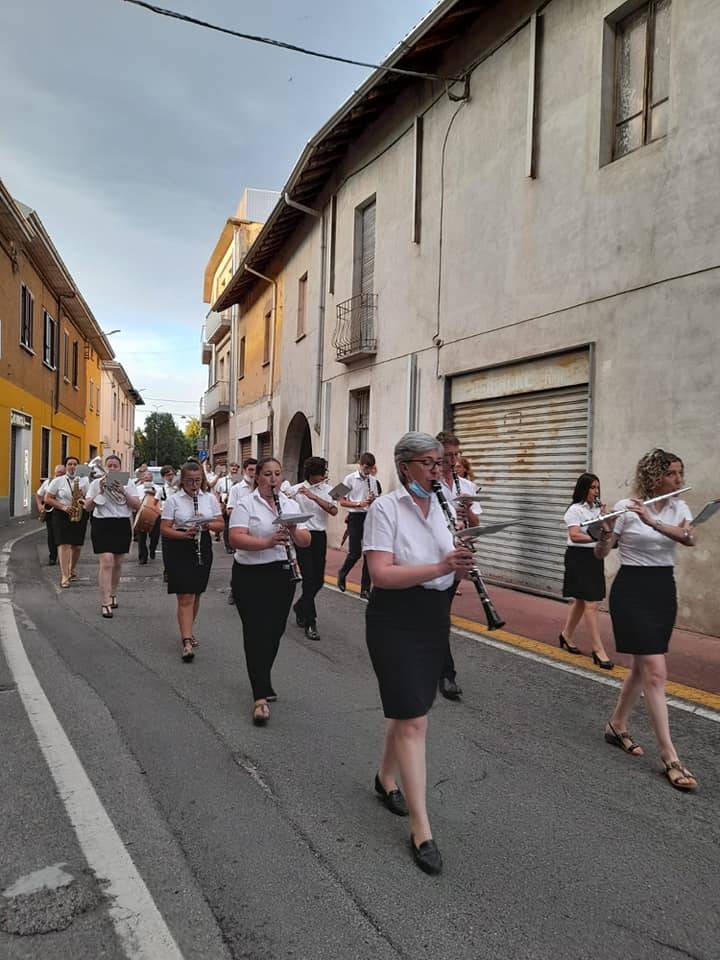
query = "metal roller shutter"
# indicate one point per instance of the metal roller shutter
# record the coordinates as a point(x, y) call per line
point(527, 450)
point(367, 262)
point(264, 445)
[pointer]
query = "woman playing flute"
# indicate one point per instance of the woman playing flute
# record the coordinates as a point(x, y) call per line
point(413, 566)
point(643, 601)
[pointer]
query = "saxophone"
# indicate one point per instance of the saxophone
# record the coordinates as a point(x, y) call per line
point(76, 506)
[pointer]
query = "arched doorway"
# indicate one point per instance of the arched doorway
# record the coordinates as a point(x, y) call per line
point(298, 447)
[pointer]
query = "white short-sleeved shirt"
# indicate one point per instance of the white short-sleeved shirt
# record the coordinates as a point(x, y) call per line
point(180, 508)
point(110, 509)
point(224, 487)
point(467, 488)
point(576, 514)
point(163, 491)
point(61, 487)
point(256, 515)
point(319, 516)
point(42, 489)
point(238, 491)
point(641, 545)
point(360, 487)
point(395, 525)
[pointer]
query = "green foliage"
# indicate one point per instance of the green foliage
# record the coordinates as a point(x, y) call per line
point(194, 430)
point(161, 442)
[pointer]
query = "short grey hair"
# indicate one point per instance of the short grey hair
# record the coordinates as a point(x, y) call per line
point(410, 444)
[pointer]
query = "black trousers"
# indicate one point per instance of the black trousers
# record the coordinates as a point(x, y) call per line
point(263, 594)
point(356, 524)
point(312, 567)
point(52, 546)
point(226, 531)
point(142, 541)
point(448, 667)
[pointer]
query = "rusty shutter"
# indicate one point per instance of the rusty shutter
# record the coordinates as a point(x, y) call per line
point(245, 449)
point(264, 445)
point(527, 450)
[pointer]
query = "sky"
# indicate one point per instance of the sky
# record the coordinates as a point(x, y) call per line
point(133, 137)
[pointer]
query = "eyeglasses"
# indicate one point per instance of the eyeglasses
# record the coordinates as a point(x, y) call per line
point(427, 463)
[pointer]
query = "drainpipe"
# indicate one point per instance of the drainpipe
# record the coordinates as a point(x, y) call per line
point(57, 356)
point(262, 276)
point(321, 306)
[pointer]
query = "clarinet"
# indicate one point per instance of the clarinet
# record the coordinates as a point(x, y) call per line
point(493, 619)
point(198, 530)
point(292, 563)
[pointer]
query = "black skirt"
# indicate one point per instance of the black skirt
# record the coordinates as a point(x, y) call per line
point(584, 574)
point(407, 634)
point(110, 534)
point(67, 533)
point(184, 573)
point(643, 607)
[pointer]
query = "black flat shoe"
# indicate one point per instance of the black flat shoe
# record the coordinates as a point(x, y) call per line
point(364, 594)
point(605, 664)
point(298, 617)
point(311, 632)
point(393, 799)
point(341, 584)
point(568, 646)
point(449, 688)
point(427, 856)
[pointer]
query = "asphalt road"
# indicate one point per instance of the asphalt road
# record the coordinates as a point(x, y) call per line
point(269, 843)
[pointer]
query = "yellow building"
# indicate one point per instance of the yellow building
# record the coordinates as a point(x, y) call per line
point(51, 347)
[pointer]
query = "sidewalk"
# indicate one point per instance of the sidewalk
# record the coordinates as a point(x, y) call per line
point(693, 660)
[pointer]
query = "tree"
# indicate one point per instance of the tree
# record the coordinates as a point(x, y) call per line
point(160, 442)
point(194, 431)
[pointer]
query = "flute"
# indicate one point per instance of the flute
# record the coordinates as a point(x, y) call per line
point(618, 513)
point(198, 530)
point(493, 619)
point(292, 563)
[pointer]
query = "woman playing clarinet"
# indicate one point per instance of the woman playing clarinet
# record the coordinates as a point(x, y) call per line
point(264, 575)
point(187, 517)
point(413, 566)
point(643, 602)
point(111, 529)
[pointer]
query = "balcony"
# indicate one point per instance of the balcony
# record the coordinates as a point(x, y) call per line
point(217, 326)
point(216, 402)
point(356, 328)
point(205, 348)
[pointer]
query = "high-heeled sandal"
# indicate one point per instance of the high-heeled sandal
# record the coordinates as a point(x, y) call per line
point(568, 646)
point(65, 583)
point(188, 653)
point(261, 714)
point(106, 611)
point(605, 664)
point(618, 738)
point(113, 602)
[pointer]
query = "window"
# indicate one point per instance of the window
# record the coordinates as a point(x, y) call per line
point(49, 341)
point(63, 447)
point(267, 336)
point(364, 260)
point(97, 400)
point(45, 452)
point(642, 77)
point(301, 306)
point(245, 448)
point(66, 356)
point(27, 305)
point(91, 394)
point(264, 442)
point(75, 364)
point(114, 406)
point(358, 422)
point(241, 360)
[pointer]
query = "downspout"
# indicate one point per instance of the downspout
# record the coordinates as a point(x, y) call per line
point(262, 276)
point(321, 306)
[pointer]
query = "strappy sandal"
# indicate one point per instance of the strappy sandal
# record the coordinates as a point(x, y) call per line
point(107, 611)
point(194, 642)
point(65, 583)
point(113, 602)
point(623, 740)
point(188, 653)
point(261, 714)
point(684, 774)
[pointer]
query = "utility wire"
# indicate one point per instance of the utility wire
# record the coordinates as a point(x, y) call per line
point(161, 11)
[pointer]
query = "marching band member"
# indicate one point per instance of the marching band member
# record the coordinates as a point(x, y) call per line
point(363, 490)
point(65, 495)
point(111, 529)
point(313, 496)
point(45, 511)
point(244, 486)
point(164, 490)
point(584, 572)
point(145, 484)
point(222, 491)
point(413, 564)
point(187, 517)
point(643, 600)
point(262, 583)
point(455, 486)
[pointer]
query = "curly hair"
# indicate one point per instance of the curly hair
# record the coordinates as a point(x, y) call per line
point(650, 470)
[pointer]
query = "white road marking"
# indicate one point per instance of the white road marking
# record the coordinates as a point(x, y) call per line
point(685, 705)
point(138, 923)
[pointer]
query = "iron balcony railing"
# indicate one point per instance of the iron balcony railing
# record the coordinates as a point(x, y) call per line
point(356, 328)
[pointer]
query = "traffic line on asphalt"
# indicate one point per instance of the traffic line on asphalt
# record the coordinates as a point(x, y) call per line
point(138, 923)
point(700, 703)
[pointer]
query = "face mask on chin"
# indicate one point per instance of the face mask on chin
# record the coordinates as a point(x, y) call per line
point(415, 488)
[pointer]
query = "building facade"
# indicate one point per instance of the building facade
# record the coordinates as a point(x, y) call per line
point(50, 344)
point(529, 256)
point(118, 399)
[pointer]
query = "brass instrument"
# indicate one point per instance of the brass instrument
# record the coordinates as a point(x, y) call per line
point(76, 504)
point(112, 490)
point(493, 619)
point(292, 561)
